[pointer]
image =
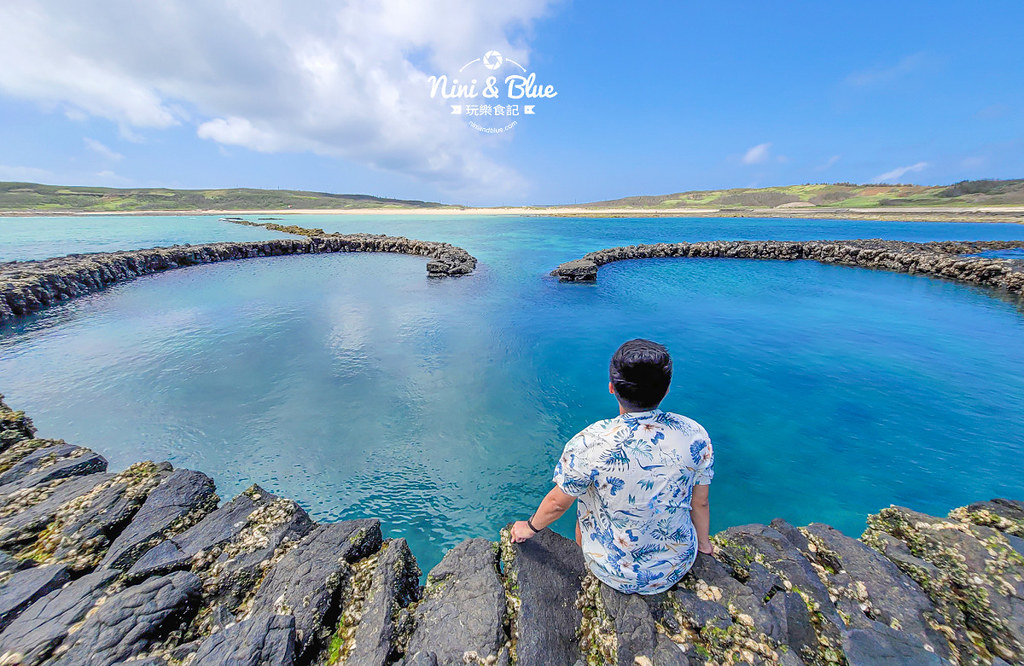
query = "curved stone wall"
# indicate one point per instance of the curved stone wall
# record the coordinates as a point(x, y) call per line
point(147, 566)
point(29, 286)
point(942, 259)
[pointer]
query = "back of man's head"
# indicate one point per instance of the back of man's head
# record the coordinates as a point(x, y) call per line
point(640, 372)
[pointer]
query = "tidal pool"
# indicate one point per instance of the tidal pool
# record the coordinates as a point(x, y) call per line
point(359, 387)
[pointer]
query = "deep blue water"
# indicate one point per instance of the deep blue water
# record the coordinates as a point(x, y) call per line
point(360, 387)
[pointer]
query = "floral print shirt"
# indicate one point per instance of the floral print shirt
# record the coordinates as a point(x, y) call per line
point(634, 476)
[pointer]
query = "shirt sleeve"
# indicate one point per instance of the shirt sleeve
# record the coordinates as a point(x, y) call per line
point(572, 473)
point(705, 464)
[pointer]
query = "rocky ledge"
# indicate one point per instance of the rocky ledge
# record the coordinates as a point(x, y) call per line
point(29, 286)
point(945, 259)
point(147, 567)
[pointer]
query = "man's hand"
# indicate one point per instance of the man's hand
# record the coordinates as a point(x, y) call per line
point(706, 548)
point(521, 531)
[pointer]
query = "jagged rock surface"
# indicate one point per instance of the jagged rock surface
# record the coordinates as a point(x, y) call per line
point(257, 582)
point(944, 259)
point(462, 614)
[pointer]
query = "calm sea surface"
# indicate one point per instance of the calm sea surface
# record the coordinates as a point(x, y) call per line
point(358, 386)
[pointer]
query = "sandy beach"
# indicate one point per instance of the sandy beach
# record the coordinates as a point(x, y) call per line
point(1004, 214)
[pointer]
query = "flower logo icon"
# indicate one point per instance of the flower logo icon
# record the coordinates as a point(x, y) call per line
point(492, 60)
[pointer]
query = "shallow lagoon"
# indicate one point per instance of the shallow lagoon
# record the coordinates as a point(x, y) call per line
point(361, 388)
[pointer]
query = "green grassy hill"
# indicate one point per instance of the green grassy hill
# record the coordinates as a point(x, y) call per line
point(838, 195)
point(58, 198)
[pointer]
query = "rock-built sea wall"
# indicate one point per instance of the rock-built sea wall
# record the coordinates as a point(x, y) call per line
point(29, 286)
point(147, 566)
point(950, 260)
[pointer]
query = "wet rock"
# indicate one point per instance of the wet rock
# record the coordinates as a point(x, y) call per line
point(32, 637)
point(26, 513)
point(181, 500)
point(24, 587)
point(210, 533)
point(262, 640)
point(978, 572)
point(307, 582)
point(394, 586)
point(463, 607)
point(82, 528)
point(130, 622)
point(545, 575)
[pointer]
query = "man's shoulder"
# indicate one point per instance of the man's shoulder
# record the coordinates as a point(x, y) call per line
point(683, 424)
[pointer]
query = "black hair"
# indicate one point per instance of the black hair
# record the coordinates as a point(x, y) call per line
point(640, 372)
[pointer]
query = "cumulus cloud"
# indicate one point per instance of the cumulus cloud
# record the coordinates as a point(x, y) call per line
point(346, 80)
point(102, 150)
point(899, 172)
point(757, 154)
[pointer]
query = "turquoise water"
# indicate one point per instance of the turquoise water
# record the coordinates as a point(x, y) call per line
point(360, 387)
point(23, 238)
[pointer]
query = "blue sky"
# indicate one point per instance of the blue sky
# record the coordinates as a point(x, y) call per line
point(652, 97)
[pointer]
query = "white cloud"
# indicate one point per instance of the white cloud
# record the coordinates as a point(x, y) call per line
point(23, 173)
point(879, 75)
point(829, 163)
point(899, 172)
point(339, 79)
point(102, 150)
point(757, 154)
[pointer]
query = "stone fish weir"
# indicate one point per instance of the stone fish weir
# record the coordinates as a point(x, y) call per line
point(30, 286)
point(943, 259)
point(146, 566)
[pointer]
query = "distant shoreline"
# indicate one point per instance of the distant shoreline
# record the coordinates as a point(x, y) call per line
point(1001, 214)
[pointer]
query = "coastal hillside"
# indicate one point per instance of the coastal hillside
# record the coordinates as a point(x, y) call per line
point(59, 198)
point(836, 195)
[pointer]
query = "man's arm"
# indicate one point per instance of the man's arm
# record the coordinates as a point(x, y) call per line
point(700, 514)
point(551, 508)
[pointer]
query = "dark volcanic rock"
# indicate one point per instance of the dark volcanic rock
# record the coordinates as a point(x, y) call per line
point(545, 573)
point(394, 586)
point(1003, 514)
point(34, 462)
point(82, 528)
point(263, 640)
point(29, 286)
point(213, 531)
point(307, 582)
point(463, 607)
point(635, 632)
point(977, 571)
point(26, 586)
point(879, 594)
point(801, 614)
point(45, 624)
point(14, 426)
point(233, 575)
point(180, 501)
point(24, 514)
point(942, 259)
point(132, 620)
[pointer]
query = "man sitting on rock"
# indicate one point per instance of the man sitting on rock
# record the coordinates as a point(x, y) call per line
point(641, 479)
